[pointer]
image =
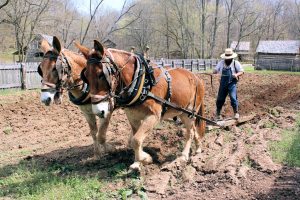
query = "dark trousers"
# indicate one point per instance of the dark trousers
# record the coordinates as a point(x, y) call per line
point(224, 90)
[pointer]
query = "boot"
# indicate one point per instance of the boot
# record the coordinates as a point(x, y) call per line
point(218, 116)
point(236, 115)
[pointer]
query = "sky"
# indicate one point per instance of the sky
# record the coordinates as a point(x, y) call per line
point(83, 5)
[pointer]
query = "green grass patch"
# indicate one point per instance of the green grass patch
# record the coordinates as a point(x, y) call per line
point(36, 179)
point(15, 91)
point(287, 150)
point(7, 57)
point(29, 180)
point(250, 69)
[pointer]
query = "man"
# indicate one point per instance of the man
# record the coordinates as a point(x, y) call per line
point(230, 70)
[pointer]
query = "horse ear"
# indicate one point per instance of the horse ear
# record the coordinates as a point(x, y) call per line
point(56, 44)
point(84, 50)
point(45, 47)
point(98, 47)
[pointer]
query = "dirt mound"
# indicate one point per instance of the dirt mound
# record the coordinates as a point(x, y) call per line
point(234, 164)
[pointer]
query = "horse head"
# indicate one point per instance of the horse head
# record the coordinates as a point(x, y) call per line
point(54, 71)
point(101, 74)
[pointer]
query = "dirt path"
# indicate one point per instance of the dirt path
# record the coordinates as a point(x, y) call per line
point(235, 164)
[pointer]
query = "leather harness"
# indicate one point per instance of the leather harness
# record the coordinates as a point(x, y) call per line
point(63, 67)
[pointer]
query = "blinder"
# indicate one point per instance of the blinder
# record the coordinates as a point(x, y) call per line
point(108, 70)
point(62, 67)
point(82, 76)
point(40, 70)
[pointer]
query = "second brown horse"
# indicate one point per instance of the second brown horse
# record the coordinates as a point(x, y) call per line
point(111, 73)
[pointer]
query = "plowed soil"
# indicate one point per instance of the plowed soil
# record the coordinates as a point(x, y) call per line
point(234, 164)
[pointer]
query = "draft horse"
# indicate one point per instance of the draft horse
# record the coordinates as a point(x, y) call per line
point(60, 70)
point(121, 79)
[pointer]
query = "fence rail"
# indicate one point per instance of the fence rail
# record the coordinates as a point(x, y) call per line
point(19, 75)
point(191, 64)
point(25, 75)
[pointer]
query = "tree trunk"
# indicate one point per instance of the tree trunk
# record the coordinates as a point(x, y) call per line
point(215, 29)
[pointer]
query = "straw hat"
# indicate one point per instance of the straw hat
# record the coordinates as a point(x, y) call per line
point(229, 54)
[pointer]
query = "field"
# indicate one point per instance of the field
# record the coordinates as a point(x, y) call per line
point(46, 152)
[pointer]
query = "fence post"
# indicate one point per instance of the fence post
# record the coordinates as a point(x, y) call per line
point(198, 64)
point(183, 64)
point(173, 64)
point(23, 76)
point(191, 65)
point(204, 63)
point(162, 63)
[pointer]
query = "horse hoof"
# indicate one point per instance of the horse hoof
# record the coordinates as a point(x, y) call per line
point(146, 159)
point(136, 166)
point(198, 151)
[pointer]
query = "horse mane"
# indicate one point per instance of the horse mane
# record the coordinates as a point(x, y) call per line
point(119, 51)
point(76, 57)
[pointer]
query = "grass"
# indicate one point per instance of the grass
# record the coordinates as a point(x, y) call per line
point(6, 57)
point(15, 91)
point(7, 130)
point(28, 180)
point(287, 150)
point(250, 69)
point(32, 179)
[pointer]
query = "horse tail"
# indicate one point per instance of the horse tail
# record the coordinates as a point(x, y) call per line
point(201, 124)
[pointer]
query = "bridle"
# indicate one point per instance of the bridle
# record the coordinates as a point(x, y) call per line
point(118, 93)
point(111, 74)
point(62, 67)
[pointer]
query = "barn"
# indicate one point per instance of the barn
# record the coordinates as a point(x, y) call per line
point(278, 55)
point(242, 49)
point(33, 51)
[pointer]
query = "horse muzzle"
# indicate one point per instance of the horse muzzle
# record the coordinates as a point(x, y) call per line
point(101, 109)
point(47, 97)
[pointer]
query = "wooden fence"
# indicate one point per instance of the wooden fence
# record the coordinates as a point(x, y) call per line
point(25, 75)
point(282, 64)
point(19, 75)
point(190, 64)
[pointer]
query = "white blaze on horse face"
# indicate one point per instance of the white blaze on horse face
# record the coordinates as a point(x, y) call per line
point(101, 109)
point(47, 97)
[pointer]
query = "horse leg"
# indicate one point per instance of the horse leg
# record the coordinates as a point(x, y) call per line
point(133, 131)
point(189, 136)
point(200, 129)
point(101, 135)
point(145, 127)
point(91, 120)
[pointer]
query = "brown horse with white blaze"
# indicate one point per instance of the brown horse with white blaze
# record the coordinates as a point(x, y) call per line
point(60, 70)
point(112, 73)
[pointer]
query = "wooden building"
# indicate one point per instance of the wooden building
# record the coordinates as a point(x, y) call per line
point(278, 55)
point(33, 51)
point(243, 50)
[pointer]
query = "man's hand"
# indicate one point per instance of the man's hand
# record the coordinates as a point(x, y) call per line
point(235, 76)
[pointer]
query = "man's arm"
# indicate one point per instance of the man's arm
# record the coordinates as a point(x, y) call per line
point(217, 68)
point(239, 69)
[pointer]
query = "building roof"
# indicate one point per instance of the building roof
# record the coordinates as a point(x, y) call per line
point(243, 46)
point(109, 44)
point(279, 47)
point(48, 38)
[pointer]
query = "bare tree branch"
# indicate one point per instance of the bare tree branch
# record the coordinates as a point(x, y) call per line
point(91, 19)
point(5, 4)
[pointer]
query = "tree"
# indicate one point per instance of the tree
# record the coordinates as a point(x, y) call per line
point(246, 19)
point(92, 15)
point(215, 27)
point(4, 4)
point(24, 16)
